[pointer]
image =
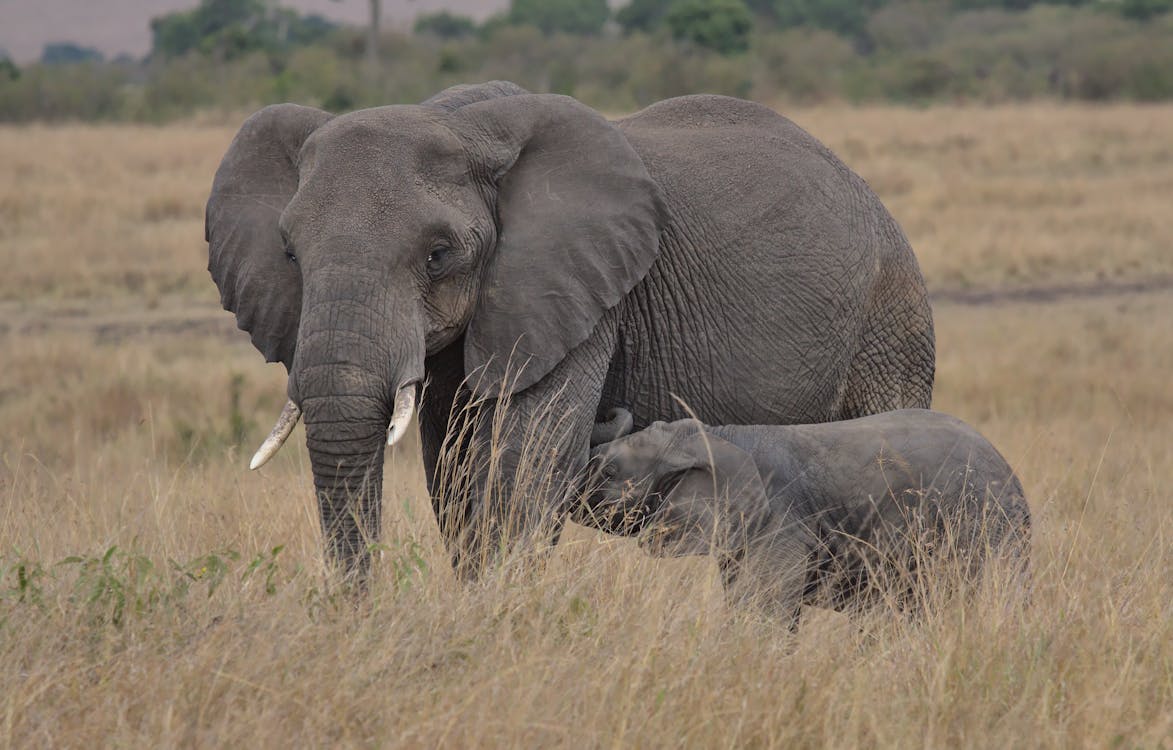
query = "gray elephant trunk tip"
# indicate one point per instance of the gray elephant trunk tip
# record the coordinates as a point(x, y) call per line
point(619, 423)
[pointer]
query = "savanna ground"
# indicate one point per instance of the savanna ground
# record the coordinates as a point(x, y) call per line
point(155, 593)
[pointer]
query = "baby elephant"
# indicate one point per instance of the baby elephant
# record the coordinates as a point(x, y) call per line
point(836, 514)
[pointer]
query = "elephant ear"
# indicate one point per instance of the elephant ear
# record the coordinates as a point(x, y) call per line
point(724, 476)
point(246, 254)
point(578, 224)
point(726, 464)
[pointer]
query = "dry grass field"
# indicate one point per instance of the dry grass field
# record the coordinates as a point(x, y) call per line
point(153, 593)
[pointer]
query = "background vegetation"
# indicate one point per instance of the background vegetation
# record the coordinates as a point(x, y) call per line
point(239, 54)
point(154, 593)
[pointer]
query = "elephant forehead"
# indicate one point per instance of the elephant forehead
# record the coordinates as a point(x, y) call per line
point(404, 142)
point(366, 176)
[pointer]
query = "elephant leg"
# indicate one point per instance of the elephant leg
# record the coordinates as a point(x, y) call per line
point(896, 360)
point(445, 418)
point(503, 471)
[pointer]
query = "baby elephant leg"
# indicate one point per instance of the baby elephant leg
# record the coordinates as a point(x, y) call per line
point(745, 592)
point(769, 575)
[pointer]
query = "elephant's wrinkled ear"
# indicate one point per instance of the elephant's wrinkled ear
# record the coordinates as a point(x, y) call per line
point(710, 467)
point(735, 471)
point(246, 256)
point(579, 218)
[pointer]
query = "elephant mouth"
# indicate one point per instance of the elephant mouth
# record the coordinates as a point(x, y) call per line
point(655, 536)
point(406, 397)
point(618, 512)
point(444, 336)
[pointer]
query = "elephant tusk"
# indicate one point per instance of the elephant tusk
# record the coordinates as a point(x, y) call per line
point(281, 431)
point(401, 413)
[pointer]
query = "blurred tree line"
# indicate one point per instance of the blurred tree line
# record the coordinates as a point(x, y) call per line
point(236, 55)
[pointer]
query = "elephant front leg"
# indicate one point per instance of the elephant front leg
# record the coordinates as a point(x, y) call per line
point(448, 421)
point(505, 470)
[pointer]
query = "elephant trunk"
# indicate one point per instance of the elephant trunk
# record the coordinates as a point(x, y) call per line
point(348, 483)
point(359, 360)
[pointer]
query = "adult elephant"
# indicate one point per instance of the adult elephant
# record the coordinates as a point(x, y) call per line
point(494, 243)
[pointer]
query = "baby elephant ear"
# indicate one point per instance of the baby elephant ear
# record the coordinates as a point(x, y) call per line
point(578, 226)
point(246, 256)
point(694, 448)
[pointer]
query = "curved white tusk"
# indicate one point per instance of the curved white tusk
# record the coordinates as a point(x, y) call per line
point(285, 424)
point(401, 413)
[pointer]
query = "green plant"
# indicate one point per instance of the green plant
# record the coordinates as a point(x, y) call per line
point(210, 569)
point(115, 585)
point(265, 565)
point(408, 565)
point(22, 581)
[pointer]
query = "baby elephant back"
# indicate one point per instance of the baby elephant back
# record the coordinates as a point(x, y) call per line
point(912, 490)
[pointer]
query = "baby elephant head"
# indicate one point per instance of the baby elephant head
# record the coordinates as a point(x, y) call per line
point(682, 489)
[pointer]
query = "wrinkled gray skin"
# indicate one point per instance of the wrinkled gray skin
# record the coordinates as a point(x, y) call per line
point(704, 248)
point(829, 514)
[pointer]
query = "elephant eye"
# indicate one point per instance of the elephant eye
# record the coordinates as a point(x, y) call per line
point(438, 261)
point(288, 248)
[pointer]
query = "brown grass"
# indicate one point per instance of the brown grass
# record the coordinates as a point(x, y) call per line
point(121, 429)
point(988, 196)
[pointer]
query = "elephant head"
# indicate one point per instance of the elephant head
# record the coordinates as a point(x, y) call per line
point(350, 247)
point(686, 490)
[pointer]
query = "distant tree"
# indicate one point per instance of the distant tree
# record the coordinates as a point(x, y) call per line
point(445, 25)
point(720, 25)
point(1024, 4)
point(302, 30)
point(66, 53)
point(373, 23)
point(846, 17)
point(643, 15)
point(210, 22)
point(231, 28)
point(373, 34)
point(569, 16)
point(760, 7)
point(907, 25)
point(1144, 10)
point(1003, 4)
point(174, 34)
point(8, 68)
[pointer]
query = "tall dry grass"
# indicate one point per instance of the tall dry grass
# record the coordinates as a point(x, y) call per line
point(154, 593)
point(1003, 195)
